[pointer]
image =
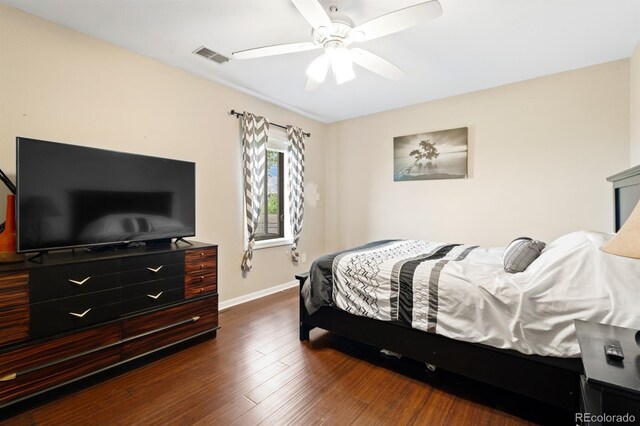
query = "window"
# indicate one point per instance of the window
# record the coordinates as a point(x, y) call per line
point(271, 222)
point(273, 225)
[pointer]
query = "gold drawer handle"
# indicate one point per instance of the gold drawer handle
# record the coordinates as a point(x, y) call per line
point(79, 282)
point(154, 297)
point(8, 377)
point(75, 314)
point(156, 269)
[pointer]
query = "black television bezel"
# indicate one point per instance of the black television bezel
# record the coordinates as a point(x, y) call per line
point(102, 244)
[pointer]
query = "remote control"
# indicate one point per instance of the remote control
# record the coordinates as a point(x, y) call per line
point(613, 350)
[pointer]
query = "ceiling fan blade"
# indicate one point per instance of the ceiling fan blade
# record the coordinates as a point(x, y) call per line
point(276, 49)
point(311, 84)
point(399, 20)
point(376, 64)
point(313, 12)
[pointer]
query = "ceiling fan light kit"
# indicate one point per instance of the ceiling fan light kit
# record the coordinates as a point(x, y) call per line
point(341, 64)
point(317, 70)
point(337, 32)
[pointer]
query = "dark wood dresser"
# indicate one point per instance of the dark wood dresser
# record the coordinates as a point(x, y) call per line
point(77, 313)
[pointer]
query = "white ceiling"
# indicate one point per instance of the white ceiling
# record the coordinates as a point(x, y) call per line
point(476, 44)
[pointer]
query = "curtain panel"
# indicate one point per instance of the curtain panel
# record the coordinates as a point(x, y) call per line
point(255, 131)
point(296, 139)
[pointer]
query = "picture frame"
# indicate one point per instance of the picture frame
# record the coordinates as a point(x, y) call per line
point(441, 154)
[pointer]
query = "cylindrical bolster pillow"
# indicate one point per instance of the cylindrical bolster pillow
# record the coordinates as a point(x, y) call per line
point(521, 253)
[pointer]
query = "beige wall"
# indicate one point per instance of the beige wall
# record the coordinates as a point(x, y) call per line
point(59, 85)
point(540, 151)
point(635, 107)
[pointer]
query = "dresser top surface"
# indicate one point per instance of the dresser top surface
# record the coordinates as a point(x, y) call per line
point(64, 257)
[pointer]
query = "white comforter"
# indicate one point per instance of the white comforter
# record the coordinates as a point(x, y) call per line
point(533, 311)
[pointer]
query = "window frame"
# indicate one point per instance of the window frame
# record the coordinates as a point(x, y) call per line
point(276, 142)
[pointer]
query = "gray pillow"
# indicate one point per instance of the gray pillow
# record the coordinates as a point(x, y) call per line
point(521, 253)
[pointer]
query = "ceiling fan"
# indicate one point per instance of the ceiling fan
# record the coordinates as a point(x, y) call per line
point(335, 33)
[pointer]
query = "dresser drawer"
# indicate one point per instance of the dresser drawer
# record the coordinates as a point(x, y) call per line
point(151, 331)
point(34, 357)
point(196, 284)
point(195, 256)
point(29, 382)
point(149, 273)
point(151, 261)
point(49, 318)
point(44, 291)
point(151, 287)
point(201, 264)
point(14, 324)
point(152, 300)
point(76, 271)
point(14, 307)
point(14, 289)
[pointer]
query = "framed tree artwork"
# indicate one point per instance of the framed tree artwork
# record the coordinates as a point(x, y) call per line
point(433, 155)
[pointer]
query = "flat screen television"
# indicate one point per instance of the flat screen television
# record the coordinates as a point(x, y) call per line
point(74, 196)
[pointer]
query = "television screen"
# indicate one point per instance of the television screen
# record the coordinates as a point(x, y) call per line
point(73, 196)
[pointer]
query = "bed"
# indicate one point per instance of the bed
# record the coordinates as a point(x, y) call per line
point(536, 357)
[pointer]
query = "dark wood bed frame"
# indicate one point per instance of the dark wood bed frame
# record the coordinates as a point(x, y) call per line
point(549, 379)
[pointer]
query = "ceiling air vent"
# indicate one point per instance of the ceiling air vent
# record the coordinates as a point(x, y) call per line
point(211, 55)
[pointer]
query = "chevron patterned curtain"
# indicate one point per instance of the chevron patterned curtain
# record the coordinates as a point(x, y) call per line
point(254, 151)
point(296, 185)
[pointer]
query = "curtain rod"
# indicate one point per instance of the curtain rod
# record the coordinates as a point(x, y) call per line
point(239, 114)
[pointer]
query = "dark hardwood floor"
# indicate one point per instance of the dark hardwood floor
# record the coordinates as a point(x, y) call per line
point(257, 372)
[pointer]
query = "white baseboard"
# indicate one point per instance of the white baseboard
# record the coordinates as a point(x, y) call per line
point(257, 295)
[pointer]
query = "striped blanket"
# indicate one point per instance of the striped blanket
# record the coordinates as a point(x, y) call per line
point(453, 290)
point(389, 282)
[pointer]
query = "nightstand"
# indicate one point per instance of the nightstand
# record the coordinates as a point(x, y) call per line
point(609, 389)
